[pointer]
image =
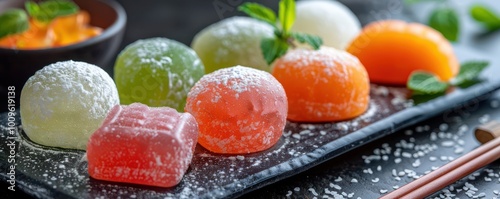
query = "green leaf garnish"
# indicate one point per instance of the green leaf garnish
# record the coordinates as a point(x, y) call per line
point(469, 71)
point(48, 10)
point(312, 40)
point(426, 83)
point(446, 21)
point(287, 14)
point(260, 12)
point(485, 16)
point(13, 21)
point(273, 48)
point(427, 86)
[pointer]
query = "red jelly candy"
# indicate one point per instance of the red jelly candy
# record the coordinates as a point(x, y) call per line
point(238, 110)
point(142, 145)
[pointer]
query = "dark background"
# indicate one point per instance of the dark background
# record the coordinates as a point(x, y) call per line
point(175, 19)
point(181, 20)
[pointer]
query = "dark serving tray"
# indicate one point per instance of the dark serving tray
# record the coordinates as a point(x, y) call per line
point(46, 172)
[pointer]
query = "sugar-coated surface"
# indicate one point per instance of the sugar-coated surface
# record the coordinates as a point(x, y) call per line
point(330, 20)
point(238, 109)
point(157, 72)
point(63, 103)
point(232, 41)
point(142, 145)
point(210, 175)
point(323, 85)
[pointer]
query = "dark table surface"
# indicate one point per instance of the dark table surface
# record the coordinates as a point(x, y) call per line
point(377, 167)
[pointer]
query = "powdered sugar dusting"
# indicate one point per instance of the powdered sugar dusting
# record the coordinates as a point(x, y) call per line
point(251, 109)
point(326, 56)
point(63, 103)
point(157, 72)
point(75, 83)
point(240, 79)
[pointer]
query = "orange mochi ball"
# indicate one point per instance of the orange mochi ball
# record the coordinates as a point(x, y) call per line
point(323, 85)
point(238, 110)
point(391, 50)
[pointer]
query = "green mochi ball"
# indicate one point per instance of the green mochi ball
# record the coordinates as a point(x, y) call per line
point(157, 72)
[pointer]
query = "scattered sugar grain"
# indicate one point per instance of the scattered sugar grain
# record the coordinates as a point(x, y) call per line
point(335, 186)
point(458, 150)
point(313, 191)
point(375, 180)
point(433, 136)
point(385, 157)
point(339, 179)
point(354, 180)
point(447, 143)
point(406, 155)
point(416, 163)
point(484, 119)
point(443, 127)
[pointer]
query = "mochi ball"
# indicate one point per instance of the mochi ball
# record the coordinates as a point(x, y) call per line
point(233, 41)
point(330, 20)
point(65, 102)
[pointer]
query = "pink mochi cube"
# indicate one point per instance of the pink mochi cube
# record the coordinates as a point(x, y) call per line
point(142, 145)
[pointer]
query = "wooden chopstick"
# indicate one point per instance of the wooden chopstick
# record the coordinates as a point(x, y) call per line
point(449, 173)
point(456, 174)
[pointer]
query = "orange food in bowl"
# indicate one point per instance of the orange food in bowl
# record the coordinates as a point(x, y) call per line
point(390, 50)
point(322, 85)
point(62, 31)
point(73, 29)
point(37, 36)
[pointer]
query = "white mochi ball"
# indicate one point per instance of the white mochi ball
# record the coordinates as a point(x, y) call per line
point(65, 102)
point(330, 20)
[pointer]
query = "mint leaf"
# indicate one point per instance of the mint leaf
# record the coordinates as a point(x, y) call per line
point(273, 49)
point(425, 83)
point(313, 40)
point(48, 10)
point(13, 21)
point(259, 12)
point(469, 72)
point(446, 21)
point(287, 14)
point(485, 16)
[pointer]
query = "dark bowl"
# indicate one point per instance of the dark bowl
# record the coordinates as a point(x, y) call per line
point(16, 66)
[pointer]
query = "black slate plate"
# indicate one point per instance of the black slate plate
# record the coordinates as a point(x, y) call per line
point(60, 173)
